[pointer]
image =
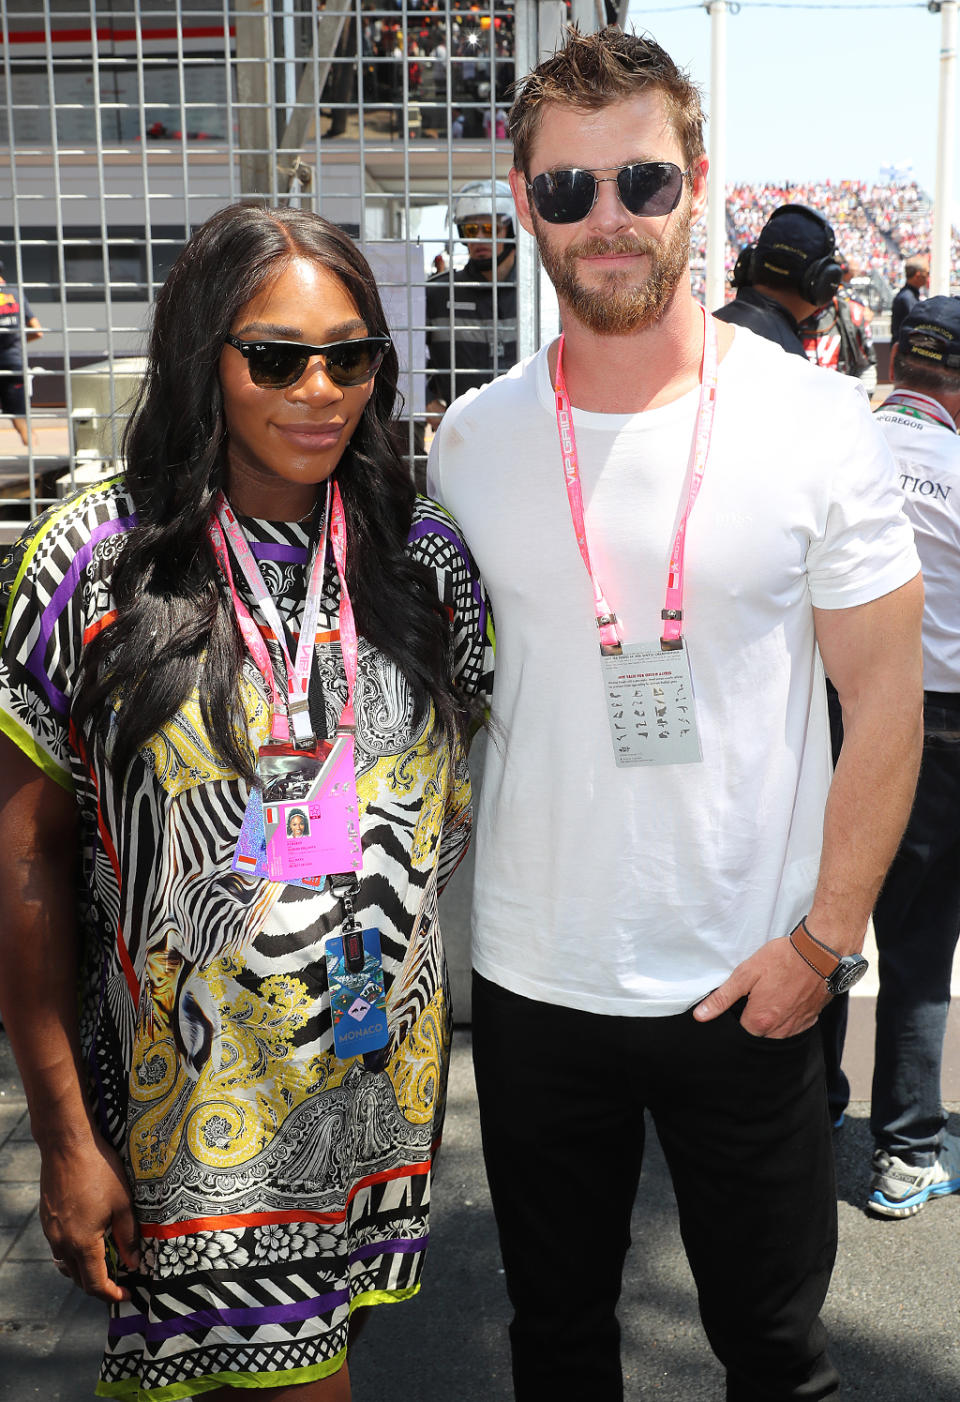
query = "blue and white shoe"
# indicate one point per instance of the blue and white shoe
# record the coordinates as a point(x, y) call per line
point(899, 1189)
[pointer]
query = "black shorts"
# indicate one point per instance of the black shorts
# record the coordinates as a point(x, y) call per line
point(13, 400)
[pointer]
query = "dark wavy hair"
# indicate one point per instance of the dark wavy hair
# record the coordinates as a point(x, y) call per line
point(175, 626)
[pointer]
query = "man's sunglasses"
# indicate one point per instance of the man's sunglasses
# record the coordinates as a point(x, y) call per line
point(280, 364)
point(645, 188)
point(477, 228)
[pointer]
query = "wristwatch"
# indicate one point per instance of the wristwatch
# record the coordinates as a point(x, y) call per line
point(838, 971)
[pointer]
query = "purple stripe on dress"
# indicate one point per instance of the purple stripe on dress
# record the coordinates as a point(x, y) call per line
point(240, 1318)
point(399, 1246)
point(432, 527)
point(276, 550)
point(58, 603)
point(422, 528)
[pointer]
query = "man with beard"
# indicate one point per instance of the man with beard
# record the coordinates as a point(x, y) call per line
point(784, 277)
point(665, 894)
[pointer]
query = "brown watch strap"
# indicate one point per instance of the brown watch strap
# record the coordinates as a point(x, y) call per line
point(821, 958)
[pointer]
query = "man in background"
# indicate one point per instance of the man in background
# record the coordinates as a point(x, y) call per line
point(14, 313)
point(784, 277)
point(917, 273)
point(472, 311)
point(917, 918)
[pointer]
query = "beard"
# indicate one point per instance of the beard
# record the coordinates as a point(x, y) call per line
point(617, 307)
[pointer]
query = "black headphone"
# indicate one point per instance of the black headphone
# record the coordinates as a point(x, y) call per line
point(743, 267)
point(816, 281)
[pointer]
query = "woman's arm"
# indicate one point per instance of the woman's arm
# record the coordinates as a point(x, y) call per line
point(83, 1189)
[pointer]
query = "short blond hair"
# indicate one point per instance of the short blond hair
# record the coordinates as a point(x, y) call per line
point(592, 71)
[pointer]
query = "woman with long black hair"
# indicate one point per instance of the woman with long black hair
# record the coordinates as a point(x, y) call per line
point(233, 1035)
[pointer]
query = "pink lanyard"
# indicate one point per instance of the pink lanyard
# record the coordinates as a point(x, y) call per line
point(672, 612)
point(918, 406)
point(296, 713)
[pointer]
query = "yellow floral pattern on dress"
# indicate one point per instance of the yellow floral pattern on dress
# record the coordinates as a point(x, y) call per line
point(417, 1067)
point(256, 1083)
point(181, 751)
point(232, 1112)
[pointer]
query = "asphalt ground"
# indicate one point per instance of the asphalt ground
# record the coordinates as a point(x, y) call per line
point(893, 1311)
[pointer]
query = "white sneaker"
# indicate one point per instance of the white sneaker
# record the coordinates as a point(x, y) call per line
point(899, 1189)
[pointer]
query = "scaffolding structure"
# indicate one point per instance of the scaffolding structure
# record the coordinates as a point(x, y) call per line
point(124, 124)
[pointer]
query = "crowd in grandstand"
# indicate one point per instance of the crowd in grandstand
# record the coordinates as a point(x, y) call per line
point(475, 51)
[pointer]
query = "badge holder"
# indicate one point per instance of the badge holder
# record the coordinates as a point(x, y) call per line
point(650, 703)
point(285, 776)
point(358, 1003)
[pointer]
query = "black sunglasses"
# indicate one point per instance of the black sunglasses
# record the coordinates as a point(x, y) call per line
point(646, 187)
point(280, 364)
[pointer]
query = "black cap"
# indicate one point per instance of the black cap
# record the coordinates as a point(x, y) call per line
point(931, 332)
point(792, 237)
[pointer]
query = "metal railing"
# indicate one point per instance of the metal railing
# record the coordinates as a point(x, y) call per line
point(123, 127)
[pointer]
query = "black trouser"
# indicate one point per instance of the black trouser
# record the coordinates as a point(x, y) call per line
point(916, 923)
point(744, 1128)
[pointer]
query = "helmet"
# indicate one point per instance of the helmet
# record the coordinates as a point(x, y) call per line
point(483, 198)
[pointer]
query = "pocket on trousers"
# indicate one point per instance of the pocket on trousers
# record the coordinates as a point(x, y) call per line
point(770, 1044)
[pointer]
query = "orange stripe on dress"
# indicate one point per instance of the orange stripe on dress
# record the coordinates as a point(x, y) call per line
point(90, 633)
point(163, 1231)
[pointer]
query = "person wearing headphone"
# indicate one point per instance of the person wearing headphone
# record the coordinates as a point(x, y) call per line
point(785, 276)
point(782, 280)
point(472, 311)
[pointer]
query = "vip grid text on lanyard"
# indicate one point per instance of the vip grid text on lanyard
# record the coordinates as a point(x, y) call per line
point(611, 641)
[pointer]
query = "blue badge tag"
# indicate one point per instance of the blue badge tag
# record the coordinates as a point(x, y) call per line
point(358, 1004)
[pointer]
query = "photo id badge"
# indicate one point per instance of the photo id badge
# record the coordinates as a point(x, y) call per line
point(250, 855)
point(358, 1004)
point(650, 705)
point(310, 812)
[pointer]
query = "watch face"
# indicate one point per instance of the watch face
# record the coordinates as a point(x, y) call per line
point(849, 971)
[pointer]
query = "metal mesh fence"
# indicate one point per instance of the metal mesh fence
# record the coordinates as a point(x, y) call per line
point(125, 123)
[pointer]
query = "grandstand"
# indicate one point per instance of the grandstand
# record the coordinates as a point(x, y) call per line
point(877, 227)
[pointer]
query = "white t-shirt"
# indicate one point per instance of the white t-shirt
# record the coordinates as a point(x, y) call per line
point(636, 891)
point(928, 468)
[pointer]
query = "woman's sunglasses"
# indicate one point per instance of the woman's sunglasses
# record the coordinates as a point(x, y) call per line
point(645, 188)
point(280, 364)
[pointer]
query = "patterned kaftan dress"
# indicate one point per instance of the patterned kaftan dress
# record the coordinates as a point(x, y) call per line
point(276, 1186)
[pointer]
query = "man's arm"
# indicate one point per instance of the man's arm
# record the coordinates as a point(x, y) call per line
point(33, 332)
point(873, 657)
point(83, 1189)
